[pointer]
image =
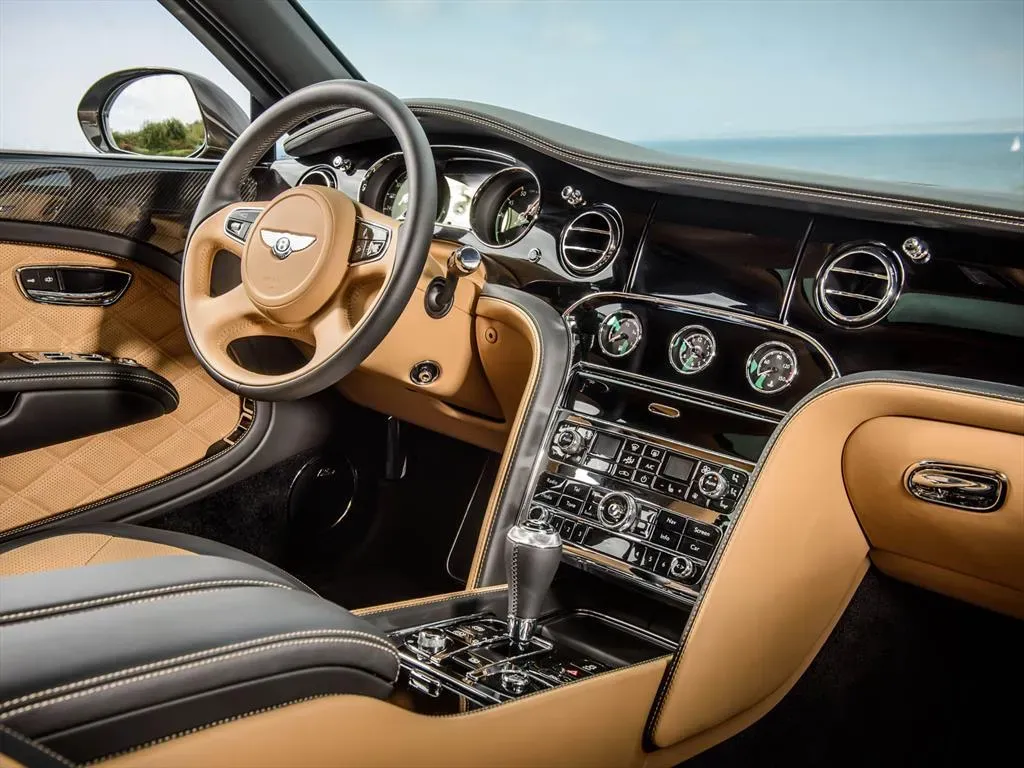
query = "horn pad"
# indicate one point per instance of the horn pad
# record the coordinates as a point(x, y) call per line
point(288, 275)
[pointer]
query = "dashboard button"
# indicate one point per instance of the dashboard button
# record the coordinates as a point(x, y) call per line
point(606, 446)
point(546, 497)
point(733, 492)
point(669, 487)
point(649, 465)
point(724, 504)
point(647, 513)
point(548, 480)
point(735, 477)
point(636, 554)
point(577, 489)
point(697, 498)
point(702, 531)
point(643, 478)
point(700, 549)
point(654, 452)
point(570, 504)
point(666, 538)
point(623, 473)
point(672, 523)
point(650, 558)
point(630, 460)
point(635, 446)
point(566, 528)
point(579, 533)
point(643, 528)
point(664, 563)
point(598, 465)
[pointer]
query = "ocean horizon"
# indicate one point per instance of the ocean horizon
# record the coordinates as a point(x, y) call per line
point(983, 162)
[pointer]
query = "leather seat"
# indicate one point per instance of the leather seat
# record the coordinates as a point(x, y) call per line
point(116, 636)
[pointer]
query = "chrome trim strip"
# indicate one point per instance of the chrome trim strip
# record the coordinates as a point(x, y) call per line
point(722, 314)
point(644, 633)
point(791, 284)
point(668, 389)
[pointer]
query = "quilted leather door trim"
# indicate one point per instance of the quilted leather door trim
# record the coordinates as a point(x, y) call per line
point(144, 325)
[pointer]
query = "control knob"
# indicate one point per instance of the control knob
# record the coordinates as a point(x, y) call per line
point(515, 681)
point(431, 641)
point(712, 485)
point(680, 568)
point(569, 442)
point(617, 510)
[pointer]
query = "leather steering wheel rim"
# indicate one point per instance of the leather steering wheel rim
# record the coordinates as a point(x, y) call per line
point(208, 320)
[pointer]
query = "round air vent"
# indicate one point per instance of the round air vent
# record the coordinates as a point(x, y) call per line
point(859, 285)
point(320, 176)
point(590, 241)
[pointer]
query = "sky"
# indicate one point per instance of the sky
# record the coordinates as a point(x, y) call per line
point(639, 71)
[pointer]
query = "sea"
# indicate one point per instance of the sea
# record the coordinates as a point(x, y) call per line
point(977, 162)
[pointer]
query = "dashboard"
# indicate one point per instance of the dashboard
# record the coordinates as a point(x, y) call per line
point(698, 323)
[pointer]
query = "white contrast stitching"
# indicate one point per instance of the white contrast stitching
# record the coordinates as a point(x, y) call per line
point(36, 745)
point(195, 655)
point(123, 597)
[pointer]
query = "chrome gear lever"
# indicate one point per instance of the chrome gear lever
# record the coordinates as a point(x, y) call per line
point(533, 550)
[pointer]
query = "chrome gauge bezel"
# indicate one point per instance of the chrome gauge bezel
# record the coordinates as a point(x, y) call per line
point(623, 313)
point(758, 353)
point(480, 198)
point(684, 333)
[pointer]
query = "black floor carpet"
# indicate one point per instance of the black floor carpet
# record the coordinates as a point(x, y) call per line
point(908, 678)
point(394, 541)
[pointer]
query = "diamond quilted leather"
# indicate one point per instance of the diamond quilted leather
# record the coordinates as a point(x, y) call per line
point(144, 325)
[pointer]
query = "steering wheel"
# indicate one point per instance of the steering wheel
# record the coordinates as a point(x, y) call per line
point(317, 267)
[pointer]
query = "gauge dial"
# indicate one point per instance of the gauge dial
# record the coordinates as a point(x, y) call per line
point(771, 367)
point(516, 213)
point(396, 197)
point(620, 333)
point(691, 349)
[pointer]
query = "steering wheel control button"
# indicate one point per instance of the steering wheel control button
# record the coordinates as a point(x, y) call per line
point(431, 641)
point(239, 221)
point(617, 510)
point(425, 373)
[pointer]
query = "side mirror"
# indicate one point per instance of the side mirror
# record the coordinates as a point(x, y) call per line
point(159, 112)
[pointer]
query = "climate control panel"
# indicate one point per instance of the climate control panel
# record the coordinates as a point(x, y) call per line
point(643, 507)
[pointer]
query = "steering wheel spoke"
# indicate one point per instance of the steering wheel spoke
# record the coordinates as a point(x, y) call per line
point(316, 266)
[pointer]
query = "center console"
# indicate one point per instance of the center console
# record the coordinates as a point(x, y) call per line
point(645, 462)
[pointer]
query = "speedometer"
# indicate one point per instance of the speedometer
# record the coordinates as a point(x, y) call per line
point(516, 213)
point(771, 367)
point(505, 207)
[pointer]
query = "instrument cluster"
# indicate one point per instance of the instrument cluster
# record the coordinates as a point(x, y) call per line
point(485, 193)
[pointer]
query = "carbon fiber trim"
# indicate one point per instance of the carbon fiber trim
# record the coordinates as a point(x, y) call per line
point(151, 201)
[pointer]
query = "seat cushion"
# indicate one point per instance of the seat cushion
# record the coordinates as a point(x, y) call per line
point(106, 656)
point(92, 544)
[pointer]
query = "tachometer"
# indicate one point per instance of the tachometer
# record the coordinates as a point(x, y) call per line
point(691, 349)
point(396, 197)
point(620, 333)
point(505, 206)
point(771, 367)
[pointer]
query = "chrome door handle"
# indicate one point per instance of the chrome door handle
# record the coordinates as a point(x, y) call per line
point(954, 485)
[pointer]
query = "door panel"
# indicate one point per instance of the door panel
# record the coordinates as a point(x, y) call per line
point(145, 325)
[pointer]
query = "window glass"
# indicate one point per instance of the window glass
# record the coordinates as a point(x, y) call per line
point(51, 51)
point(927, 93)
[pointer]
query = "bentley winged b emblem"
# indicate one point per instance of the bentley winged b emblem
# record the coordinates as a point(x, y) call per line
point(284, 244)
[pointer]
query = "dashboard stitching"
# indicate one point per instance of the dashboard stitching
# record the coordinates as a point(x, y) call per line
point(720, 179)
point(827, 388)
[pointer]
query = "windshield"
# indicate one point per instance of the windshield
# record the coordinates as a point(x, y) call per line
point(927, 93)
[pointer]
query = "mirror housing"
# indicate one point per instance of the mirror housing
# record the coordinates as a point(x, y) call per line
point(222, 118)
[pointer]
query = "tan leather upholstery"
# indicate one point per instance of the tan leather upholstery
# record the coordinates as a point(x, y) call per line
point(916, 539)
point(144, 325)
point(73, 550)
point(793, 559)
point(596, 722)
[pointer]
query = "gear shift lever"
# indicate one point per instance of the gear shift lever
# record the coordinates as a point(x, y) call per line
point(533, 550)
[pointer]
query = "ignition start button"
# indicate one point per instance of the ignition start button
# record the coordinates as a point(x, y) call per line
point(424, 373)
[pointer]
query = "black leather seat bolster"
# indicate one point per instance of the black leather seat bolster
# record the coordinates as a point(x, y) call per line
point(101, 659)
point(189, 543)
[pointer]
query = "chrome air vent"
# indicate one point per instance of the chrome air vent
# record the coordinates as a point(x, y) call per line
point(591, 240)
point(859, 285)
point(320, 176)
